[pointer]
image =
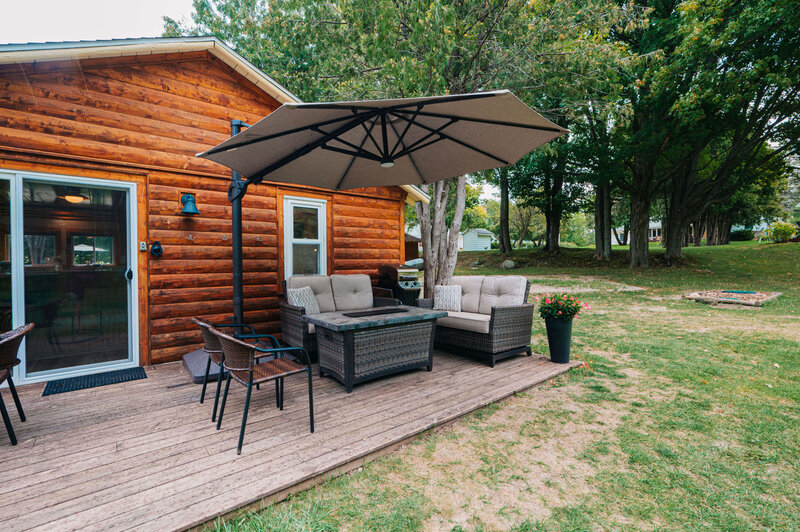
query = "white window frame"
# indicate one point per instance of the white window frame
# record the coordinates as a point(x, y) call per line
point(321, 205)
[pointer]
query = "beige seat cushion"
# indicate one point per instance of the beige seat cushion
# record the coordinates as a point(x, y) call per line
point(501, 291)
point(320, 285)
point(311, 328)
point(470, 291)
point(466, 321)
point(352, 292)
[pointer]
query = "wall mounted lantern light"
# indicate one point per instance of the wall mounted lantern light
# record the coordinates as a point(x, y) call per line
point(189, 204)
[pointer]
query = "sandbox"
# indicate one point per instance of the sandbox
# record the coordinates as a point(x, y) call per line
point(733, 297)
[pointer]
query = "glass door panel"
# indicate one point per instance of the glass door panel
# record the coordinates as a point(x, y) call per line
point(6, 323)
point(75, 284)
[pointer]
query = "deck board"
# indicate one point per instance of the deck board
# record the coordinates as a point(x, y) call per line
point(144, 454)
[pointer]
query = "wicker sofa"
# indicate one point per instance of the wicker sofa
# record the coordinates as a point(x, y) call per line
point(333, 293)
point(495, 320)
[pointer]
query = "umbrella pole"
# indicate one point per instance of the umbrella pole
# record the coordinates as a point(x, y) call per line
point(236, 230)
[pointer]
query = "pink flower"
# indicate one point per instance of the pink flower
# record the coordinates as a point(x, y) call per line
point(560, 312)
point(547, 300)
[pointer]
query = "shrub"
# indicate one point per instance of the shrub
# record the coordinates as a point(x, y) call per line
point(560, 306)
point(742, 235)
point(781, 231)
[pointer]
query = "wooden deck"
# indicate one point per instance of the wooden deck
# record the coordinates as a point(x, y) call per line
point(145, 455)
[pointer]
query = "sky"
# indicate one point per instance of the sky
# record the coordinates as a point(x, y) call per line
point(86, 20)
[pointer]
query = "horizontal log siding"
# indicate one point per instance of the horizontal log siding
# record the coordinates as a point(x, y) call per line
point(154, 113)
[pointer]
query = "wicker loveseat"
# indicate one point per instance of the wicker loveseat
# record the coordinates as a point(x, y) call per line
point(495, 319)
point(333, 293)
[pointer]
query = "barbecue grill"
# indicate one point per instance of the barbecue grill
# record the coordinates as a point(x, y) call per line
point(404, 287)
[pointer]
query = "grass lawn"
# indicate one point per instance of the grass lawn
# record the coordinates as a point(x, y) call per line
point(684, 416)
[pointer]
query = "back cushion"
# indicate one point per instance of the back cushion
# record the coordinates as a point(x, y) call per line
point(470, 291)
point(502, 291)
point(352, 292)
point(319, 284)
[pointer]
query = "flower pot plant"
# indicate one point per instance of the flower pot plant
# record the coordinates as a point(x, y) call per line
point(558, 311)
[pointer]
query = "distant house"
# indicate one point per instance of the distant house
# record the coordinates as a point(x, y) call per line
point(413, 244)
point(475, 240)
point(653, 233)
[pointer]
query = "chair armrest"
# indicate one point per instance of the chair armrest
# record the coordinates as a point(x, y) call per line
point(275, 342)
point(515, 317)
point(238, 325)
point(425, 303)
point(378, 291)
point(280, 350)
point(384, 302)
point(292, 308)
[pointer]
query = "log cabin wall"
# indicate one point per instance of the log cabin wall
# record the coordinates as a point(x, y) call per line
point(142, 119)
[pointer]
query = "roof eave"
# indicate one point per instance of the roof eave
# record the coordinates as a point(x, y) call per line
point(77, 50)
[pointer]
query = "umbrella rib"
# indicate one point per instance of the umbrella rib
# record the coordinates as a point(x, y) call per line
point(347, 143)
point(353, 159)
point(257, 177)
point(219, 149)
point(369, 133)
point(483, 121)
point(457, 141)
point(363, 154)
point(405, 130)
point(410, 158)
point(407, 149)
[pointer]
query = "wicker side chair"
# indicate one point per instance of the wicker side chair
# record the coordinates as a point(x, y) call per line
point(9, 346)
point(509, 333)
point(214, 351)
point(243, 365)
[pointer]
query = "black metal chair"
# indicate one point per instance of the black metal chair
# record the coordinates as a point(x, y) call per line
point(9, 346)
point(214, 351)
point(242, 362)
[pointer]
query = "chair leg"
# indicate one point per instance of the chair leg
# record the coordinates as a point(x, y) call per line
point(277, 394)
point(205, 381)
point(7, 421)
point(310, 400)
point(16, 398)
point(219, 386)
point(244, 415)
point(281, 379)
point(224, 398)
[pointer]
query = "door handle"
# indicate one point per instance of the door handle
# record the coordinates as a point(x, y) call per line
point(129, 275)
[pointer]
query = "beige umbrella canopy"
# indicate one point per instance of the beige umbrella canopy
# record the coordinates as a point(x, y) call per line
point(411, 141)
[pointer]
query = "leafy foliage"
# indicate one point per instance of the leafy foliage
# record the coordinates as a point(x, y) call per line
point(781, 231)
point(560, 306)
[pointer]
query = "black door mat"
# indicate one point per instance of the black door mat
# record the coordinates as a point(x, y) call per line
point(93, 381)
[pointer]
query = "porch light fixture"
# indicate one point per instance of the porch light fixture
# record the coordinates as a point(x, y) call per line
point(189, 204)
point(73, 195)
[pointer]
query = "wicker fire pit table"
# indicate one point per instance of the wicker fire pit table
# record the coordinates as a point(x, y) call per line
point(358, 346)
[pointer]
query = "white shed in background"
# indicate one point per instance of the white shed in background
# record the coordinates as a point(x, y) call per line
point(475, 240)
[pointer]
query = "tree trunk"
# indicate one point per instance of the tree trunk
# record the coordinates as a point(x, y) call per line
point(672, 231)
point(504, 236)
point(602, 222)
point(640, 223)
point(697, 232)
point(626, 230)
point(440, 244)
point(449, 253)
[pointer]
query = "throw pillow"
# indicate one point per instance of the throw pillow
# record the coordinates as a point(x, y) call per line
point(303, 297)
point(447, 298)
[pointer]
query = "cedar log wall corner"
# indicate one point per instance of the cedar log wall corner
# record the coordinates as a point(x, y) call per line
point(142, 119)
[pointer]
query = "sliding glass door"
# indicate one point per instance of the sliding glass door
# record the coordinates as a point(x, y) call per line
point(71, 273)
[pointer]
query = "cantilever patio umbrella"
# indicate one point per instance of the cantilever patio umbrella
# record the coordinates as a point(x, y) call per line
point(410, 141)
